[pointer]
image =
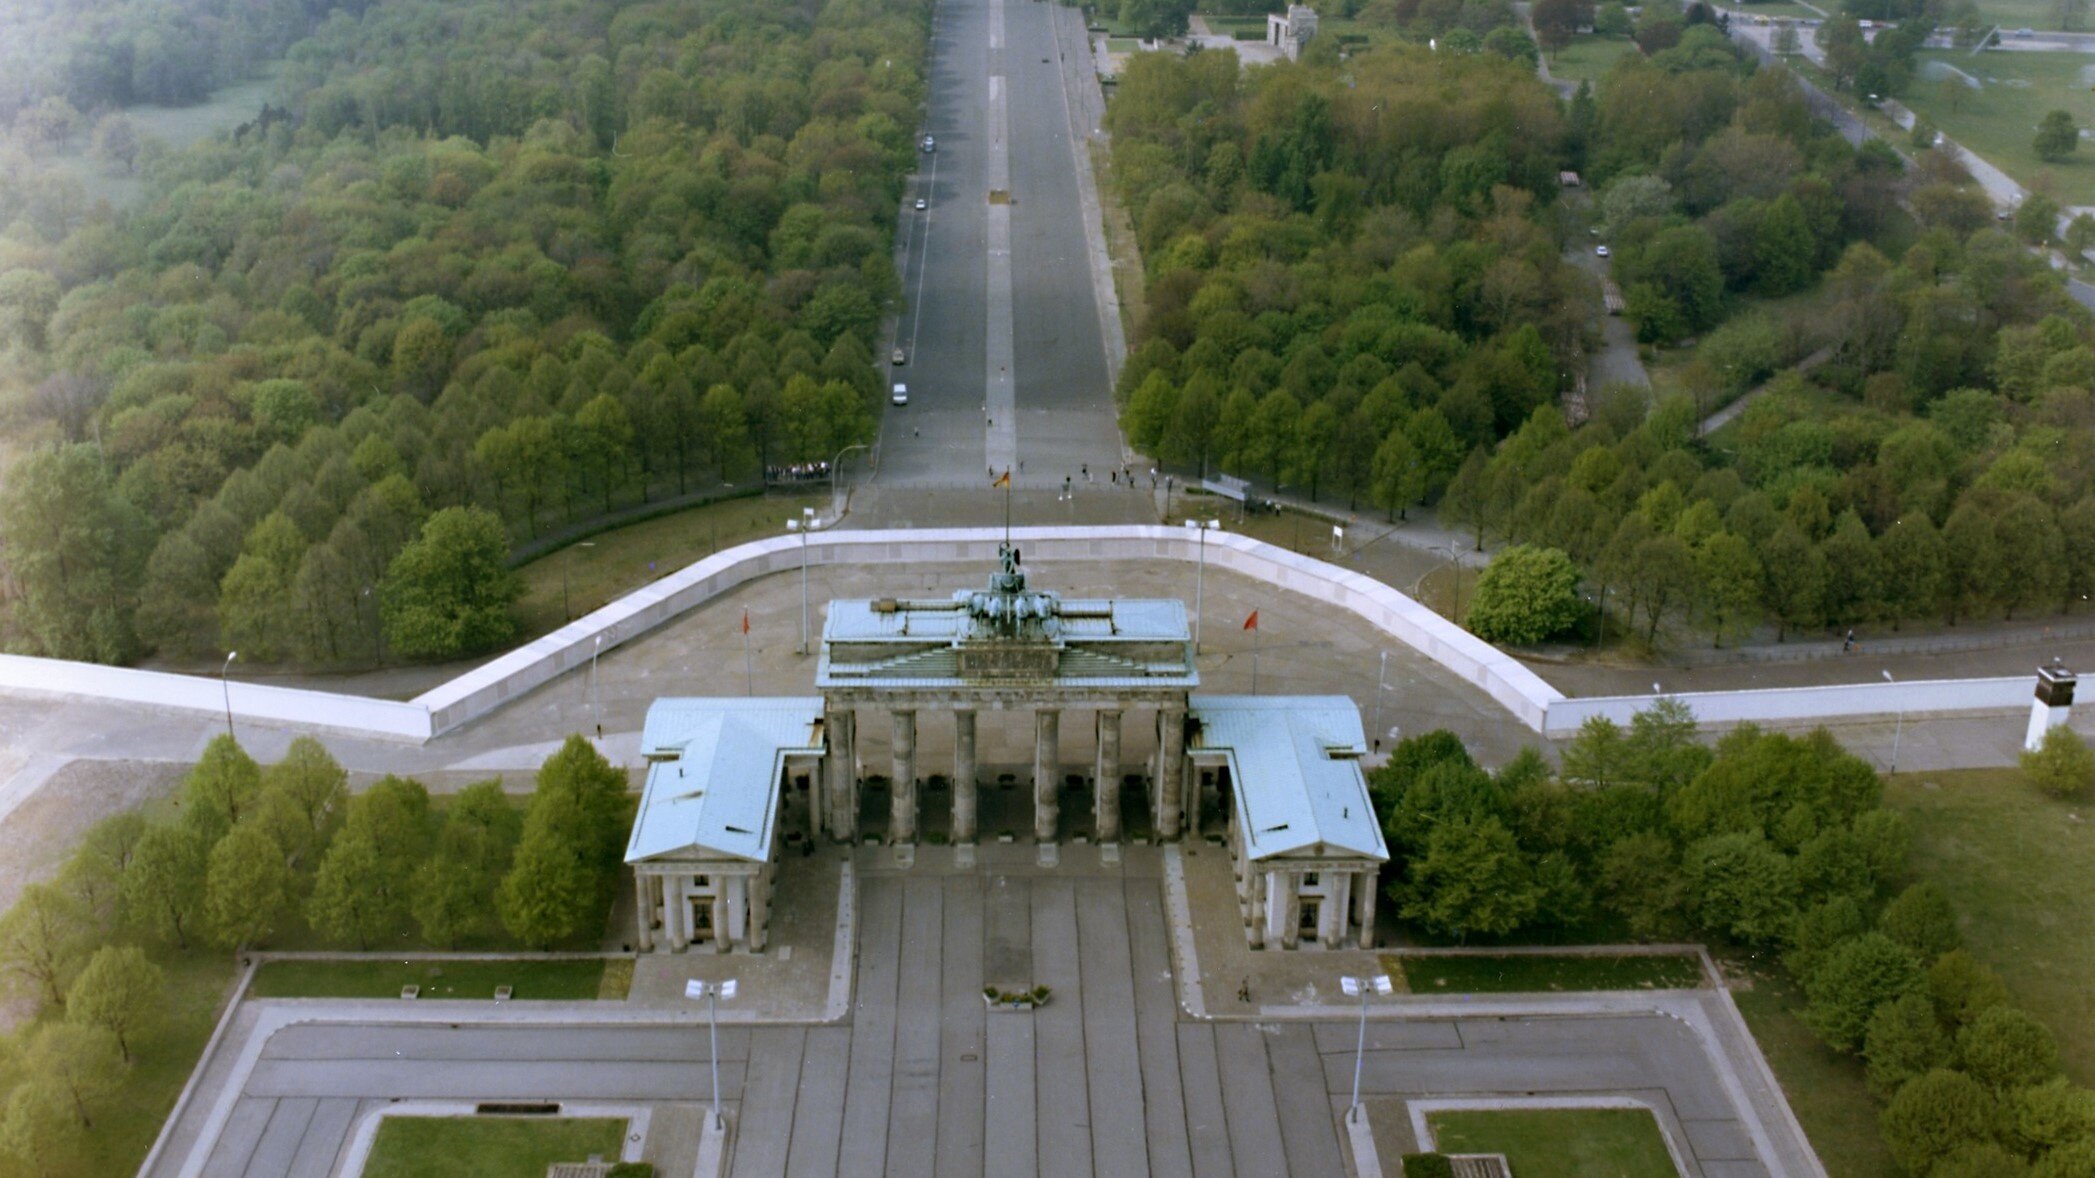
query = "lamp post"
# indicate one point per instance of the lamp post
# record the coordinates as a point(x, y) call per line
point(1381, 695)
point(803, 525)
point(1360, 986)
point(228, 688)
point(1203, 527)
point(1898, 729)
point(712, 992)
point(596, 710)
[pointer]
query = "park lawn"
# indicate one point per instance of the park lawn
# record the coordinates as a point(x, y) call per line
point(488, 1147)
point(1824, 1088)
point(1998, 121)
point(124, 1129)
point(1539, 973)
point(1560, 1143)
point(2015, 865)
point(613, 563)
point(368, 978)
point(1588, 59)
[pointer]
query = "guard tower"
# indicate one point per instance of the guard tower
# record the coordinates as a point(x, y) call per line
point(2054, 703)
point(1006, 647)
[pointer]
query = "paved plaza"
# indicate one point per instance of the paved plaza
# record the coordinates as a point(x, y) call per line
point(1112, 1076)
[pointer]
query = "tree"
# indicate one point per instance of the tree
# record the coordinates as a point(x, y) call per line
point(82, 1063)
point(2037, 218)
point(1933, 1115)
point(1730, 577)
point(116, 141)
point(1557, 21)
point(302, 800)
point(40, 1128)
point(1742, 886)
point(1795, 574)
point(1979, 1159)
point(2057, 136)
point(2052, 1114)
point(1840, 37)
point(221, 789)
point(1856, 978)
point(2073, 1160)
point(1962, 988)
point(163, 889)
point(2008, 1048)
point(119, 991)
point(1473, 878)
point(551, 892)
point(353, 896)
point(2062, 765)
point(448, 593)
point(76, 552)
point(247, 888)
point(1904, 1040)
point(1399, 477)
point(1525, 595)
point(95, 874)
point(453, 888)
point(41, 944)
point(1920, 918)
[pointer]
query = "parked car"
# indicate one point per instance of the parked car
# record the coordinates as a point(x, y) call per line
point(1600, 251)
point(930, 145)
point(896, 357)
point(900, 396)
point(922, 204)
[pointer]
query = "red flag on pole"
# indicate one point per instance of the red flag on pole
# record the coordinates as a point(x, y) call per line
point(1251, 623)
point(745, 620)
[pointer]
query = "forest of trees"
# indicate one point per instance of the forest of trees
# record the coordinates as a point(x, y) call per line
point(1357, 290)
point(536, 259)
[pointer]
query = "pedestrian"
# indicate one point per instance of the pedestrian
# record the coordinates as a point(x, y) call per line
point(916, 433)
point(1847, 645)
point(1115, 476)
point(1244, 991)
point(1086, 468)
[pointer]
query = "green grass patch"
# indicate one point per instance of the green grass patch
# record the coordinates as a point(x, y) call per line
point(128, 1121)
point(1588, 59)
point(2015, 865)
point(1560, 1143)
point(488, 1147)
point(567, 584)
point(366, 978)
point(1529, 973)
point(1998, 120)
point(1824, 1088)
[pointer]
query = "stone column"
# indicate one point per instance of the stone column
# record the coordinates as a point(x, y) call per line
point(737, 904)
point(1288, 902)
point(902, 794)
point(1047, 814)
point(721, 942)
point(842, 774)
point(1171, 772)
point(1336, 912)
point(964, 776)
point(760, 909)
point(645, 913)
point(676, 911)
point(1364, 906)
point(1105, 779)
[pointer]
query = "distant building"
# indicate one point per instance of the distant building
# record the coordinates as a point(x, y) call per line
point(1303, 838)
point(1292, 31)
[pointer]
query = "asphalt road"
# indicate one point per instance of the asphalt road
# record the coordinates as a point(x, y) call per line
point(1006, 363)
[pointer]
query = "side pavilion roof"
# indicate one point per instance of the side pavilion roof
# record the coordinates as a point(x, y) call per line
point(715, 766)
point(1294, 765)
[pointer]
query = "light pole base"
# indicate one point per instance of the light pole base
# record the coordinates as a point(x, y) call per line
point(712, 1147)
point(1367, 1163)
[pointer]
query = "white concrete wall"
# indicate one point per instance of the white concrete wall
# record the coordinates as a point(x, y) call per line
point(1520, 691)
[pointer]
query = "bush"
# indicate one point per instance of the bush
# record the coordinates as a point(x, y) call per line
point(632, 1170)
point(1428, 1165)
point(1933, 1116)
point(1905, 1040)
point(1857, 977)
point(2008, 1048)
point(1963, 989)
point(1921, 920)
point(2062, 766)
point(1526, 595)
point(1979, 1159)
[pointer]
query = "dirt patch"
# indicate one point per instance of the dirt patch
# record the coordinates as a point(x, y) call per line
point(36, 839)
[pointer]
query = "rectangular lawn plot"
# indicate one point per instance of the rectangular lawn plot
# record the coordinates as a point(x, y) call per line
point(1560, 1143)
point(1543, 973)
point(488, 1147)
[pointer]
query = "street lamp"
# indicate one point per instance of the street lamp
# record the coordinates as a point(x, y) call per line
point(1898, 729)
point(228, 687)
point(712, 992)
point(1360, 986)
point(1381, 694)
point(803, 525)
point(596, 710)
point(1203, 527)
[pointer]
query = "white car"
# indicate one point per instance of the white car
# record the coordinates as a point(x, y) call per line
point(1600, 251)
point(930, 144)
point(900, 395)
point(922, 204)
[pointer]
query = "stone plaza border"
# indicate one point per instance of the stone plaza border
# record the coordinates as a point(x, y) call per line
point(1533, 702)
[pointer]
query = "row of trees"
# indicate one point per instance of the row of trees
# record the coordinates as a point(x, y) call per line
point(631, 280)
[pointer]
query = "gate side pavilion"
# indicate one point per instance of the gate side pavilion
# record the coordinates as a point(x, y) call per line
point(1006, 648)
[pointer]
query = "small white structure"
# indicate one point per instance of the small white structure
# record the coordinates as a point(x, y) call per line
point(1291, 32)
point(1303, 837)
point(704, 847)
point(2054, 703)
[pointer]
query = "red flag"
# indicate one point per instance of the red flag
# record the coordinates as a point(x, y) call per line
point(745, 620)
point(1251, 623)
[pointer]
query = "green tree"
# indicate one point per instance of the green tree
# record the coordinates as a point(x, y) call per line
point(119, 990)
point(2062, 765)
point(2057, 136)
point(95, 874)
point(2008, 1048)
point(2037, 218)
point(163, 888)
point(1742, 886)
point(453, 890)
point(1904, 1040)
point(2052, 1114)
point(1526, 594)
point(302, 800)
point(551, 892)
point(40, 1128)
point(448, 593)
point(1962, 988)
point(1473, 879)
point(1920, 918)
point(221, 789)
point(1933, 1115)
point(247, 887)
point(1398, 474)
point(353, 895)
point(2073, 1160)
point(83, 1064)
point(1730, 577)
point(1795, 574)
point(42, 943)
point(76, 552)
point(1855, 978)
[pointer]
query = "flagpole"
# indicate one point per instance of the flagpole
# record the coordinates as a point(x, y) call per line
point(1007, 507)
point(749, 682)
point(1255, 633)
